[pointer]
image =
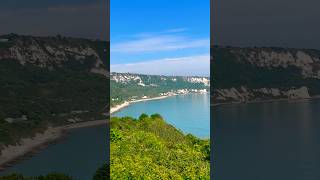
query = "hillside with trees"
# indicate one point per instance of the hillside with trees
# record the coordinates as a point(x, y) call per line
point(128, 86)
point(149, 148)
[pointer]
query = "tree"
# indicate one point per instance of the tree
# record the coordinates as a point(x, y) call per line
point(143, 116)
point(156, 115)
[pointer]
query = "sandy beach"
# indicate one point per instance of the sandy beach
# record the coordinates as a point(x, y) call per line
point(127, 103)
point(119, 107)
point(10, 155)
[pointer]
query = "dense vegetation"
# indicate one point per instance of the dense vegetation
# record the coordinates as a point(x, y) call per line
point(229, 70)
point(154, 85)
point(149, 148)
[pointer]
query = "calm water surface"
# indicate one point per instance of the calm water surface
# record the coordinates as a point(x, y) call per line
point(80, 155)
point(266, 141)
point(189, 113)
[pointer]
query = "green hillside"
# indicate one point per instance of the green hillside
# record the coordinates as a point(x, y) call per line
point(149, 148)
point(148, 85)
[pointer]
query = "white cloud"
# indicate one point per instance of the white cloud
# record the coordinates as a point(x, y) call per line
point(183, 66)
point(158, 43)
point(176, 30)
point(155, 34)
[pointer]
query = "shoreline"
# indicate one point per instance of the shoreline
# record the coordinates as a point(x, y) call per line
point(28, 147)
point(127, 103)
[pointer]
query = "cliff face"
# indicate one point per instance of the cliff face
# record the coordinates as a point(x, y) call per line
point(253, 74)
point(54, 52)
point(157, 80)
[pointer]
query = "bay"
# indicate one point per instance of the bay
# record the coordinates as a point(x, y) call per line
point(190, 113)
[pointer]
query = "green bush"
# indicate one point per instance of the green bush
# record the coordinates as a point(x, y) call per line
point(115, 135)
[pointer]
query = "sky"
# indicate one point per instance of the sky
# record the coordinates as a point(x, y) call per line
point(162, 37)
point(75, 18)
point(280, 23)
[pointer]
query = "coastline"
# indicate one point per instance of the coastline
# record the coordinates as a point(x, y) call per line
point(27, 147)
point(127, 103)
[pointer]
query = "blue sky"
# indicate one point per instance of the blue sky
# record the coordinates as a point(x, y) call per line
point(160, 36)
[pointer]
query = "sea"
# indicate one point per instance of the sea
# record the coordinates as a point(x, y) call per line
point(190, 112)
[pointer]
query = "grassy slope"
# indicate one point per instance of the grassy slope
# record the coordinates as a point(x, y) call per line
point(151, 149)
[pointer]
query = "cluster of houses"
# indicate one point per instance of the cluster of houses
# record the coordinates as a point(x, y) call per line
point(184, 91)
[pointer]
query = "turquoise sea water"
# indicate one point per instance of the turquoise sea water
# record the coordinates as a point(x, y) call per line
point(189, 113)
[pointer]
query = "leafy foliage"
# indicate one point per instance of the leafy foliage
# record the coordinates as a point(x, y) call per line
point(152, 149)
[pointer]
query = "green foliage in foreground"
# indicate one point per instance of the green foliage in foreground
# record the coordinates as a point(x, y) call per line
point(149, 148)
